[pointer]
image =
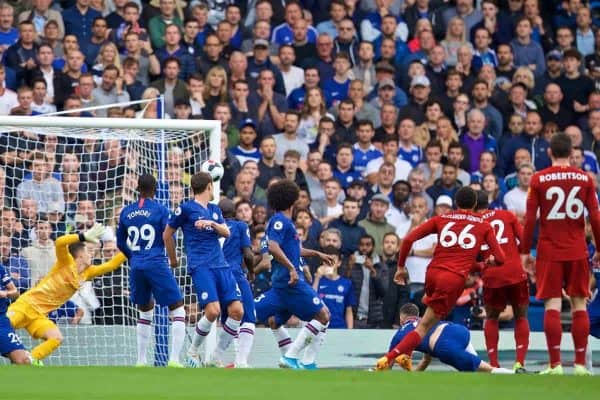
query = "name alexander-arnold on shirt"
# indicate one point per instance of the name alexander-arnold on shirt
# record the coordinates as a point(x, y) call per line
point(138, 213)
point(561, 176)
point(463, 217)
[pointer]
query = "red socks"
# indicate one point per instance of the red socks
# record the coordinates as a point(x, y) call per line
point(521, 339)
point(406, 345)
point(490, 330)
point(553, 331)
point(580, 330)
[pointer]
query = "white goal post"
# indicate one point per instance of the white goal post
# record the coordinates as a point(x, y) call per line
point(93, 164)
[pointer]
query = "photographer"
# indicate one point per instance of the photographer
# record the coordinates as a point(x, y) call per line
point(369, 278)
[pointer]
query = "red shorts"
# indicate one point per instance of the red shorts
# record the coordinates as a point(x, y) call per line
point(442, 289)
point(517, 295)
point(553, 276)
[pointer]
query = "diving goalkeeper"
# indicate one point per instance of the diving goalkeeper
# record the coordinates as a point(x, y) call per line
point(72, 268)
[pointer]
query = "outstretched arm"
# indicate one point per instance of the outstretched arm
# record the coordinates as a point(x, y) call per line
point(104, 268)
point(424, 363)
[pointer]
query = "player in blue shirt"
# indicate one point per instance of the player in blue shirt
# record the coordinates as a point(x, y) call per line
point(140, 238)
point(290, 295)
point(10, 343)
point(335, 291)
point(594, 314)
point(449, 342)
point(203, 225)
point(237, 249)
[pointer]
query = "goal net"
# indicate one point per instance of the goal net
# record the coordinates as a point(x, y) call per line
point(60, 175)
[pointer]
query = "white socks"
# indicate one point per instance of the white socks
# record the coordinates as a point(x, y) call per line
point(144, 333)
point(245, 341)
point(202, 330)
point(588, 358)
point(307, 335)
point(310, 354)
point(177, 333)
point(230, 331)
point(502, 371)
point(283, 339)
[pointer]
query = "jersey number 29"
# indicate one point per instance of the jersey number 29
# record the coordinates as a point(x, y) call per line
point(134, 235)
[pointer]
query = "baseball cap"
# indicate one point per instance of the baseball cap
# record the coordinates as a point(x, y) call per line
point(261, 43)
point(444, 200)
point(554, 55)
point(420, 80)
point(386, 82)
point(381, 197)
point(384, 66)
point(247, 122)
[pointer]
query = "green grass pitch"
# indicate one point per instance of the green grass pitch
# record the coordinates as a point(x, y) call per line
point(159, 383)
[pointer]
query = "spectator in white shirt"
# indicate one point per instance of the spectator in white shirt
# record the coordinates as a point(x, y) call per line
point(516, 199)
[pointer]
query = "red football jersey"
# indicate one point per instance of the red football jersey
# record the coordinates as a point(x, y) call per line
point(508, 231)
point(561, 194)
point(460, 237)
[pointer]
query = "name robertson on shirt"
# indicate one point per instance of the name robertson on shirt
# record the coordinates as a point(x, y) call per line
point(563, 176)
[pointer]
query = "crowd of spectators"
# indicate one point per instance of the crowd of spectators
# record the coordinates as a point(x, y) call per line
point(378, 109)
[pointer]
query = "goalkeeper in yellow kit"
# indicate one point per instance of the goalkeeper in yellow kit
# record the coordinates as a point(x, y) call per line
point(72, 268)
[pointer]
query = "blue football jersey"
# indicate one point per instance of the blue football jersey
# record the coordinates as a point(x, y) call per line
point(594, 304)
point(412, 156)
point(361, 158)
point(202, 246)
point(410, 326)
point(5, 279)
point(281, 230)
point(234, 245)
point(140, 233)
point(337, 296)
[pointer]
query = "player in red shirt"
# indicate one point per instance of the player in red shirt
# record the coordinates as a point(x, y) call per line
point(561, 194)
point(506, 284)
point(461, 234)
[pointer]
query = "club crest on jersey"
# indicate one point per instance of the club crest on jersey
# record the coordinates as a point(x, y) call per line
point(340, 289)
point(215, 216)
point(178, 211)
point(316, 301)
point(204, 295)
point(278, 225)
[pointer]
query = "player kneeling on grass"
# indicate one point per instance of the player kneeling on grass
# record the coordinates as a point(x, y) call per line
point(449, 342)
point(73, 267)
point(10, 343)
point(139, 237)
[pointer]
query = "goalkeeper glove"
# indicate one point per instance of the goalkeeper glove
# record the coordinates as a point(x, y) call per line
point(94, 234)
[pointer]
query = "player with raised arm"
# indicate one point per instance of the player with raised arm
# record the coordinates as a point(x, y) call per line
point(139, 237)
point(10, 343)
point(506, 284)
point(461, 234)
point(561, 194)
point(237, 249)
point(290, 295)
point(73, 266)
point(446, 341)
point(203, 225)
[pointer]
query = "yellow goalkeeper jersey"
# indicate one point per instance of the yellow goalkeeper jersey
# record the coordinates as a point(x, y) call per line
point(64, 280)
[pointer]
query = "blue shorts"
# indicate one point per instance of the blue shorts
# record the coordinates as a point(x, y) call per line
point(217, 284)
point(156, 282)
point(247, 301)
point(299, 300)
point(451, 349)
point(595, 327)
point(9, 340)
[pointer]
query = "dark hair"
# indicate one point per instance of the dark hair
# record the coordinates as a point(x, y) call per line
point(282, 194)
point(200, 182)
point(465, 198)
point(560, 145)
point(482, 201)
point(227, 208)
point(76, 248)
point(455, 145)
point(410, 310)
point(344, 146)
point(147, 185)
point(363, 122)
point(39, 80)
point(331, 250)
point(350, 199)
point(171, 59)
point(367, 236)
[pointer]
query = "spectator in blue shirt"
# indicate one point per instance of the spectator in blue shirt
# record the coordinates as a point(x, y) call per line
point(16, 265)
point(283, 34)
point(173, 48)
point(527, 52)
point(337, 12)
point(532, 140)
point(343, 171)
point(79, 19)
point(363, 150)
point(8, 33)
point(338, 85)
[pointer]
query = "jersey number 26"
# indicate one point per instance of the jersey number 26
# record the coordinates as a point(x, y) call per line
point(573, 206)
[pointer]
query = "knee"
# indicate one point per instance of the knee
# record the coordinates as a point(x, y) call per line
point(521, 312)
point(56, 336)
point(212, 311)
point(323, 316)
point(273, 324)
point(235, 311)
point(21, 358)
